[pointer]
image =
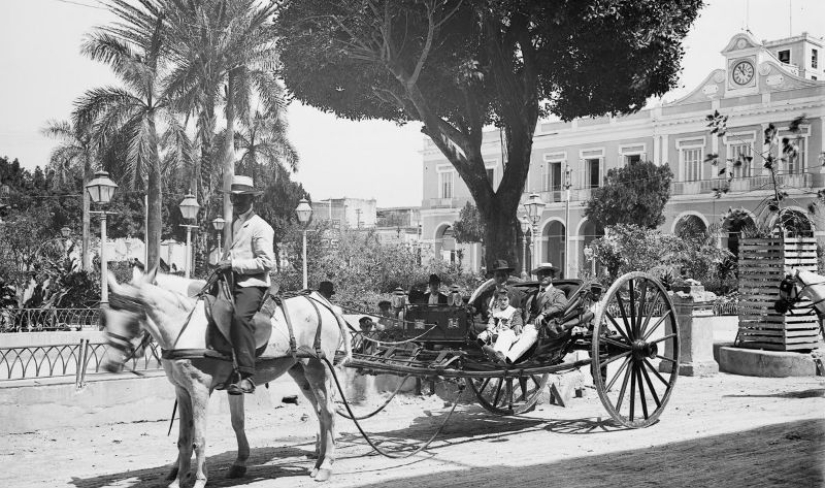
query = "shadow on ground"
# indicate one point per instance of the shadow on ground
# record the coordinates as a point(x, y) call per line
point(781, 455)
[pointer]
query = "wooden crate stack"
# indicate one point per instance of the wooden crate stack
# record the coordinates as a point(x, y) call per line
point(761, 270)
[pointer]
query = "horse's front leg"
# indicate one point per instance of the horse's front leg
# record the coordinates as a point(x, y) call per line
point(180, 469)
point(200, 401)
point(236, 409)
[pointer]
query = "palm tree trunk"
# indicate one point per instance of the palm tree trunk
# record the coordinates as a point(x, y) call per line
point(229, 158)
point(85, 244)
point(153, 224)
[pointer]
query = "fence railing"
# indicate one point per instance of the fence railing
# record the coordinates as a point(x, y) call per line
point(49, 319)
point(66, 360)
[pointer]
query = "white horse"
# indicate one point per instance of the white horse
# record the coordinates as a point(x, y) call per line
point(177, 321)
point(809, 285)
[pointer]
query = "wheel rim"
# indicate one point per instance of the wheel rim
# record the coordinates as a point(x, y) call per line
point(509, 396)
point(635, 332)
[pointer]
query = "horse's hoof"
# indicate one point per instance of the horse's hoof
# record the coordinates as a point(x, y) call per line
point(236, 471)
point(323, 474)
point(174, 484)
point(313, 473)
point(173, 473)
point(200, 484)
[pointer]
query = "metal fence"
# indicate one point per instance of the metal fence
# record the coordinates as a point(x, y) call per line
point(49, 319)
point(66, 360)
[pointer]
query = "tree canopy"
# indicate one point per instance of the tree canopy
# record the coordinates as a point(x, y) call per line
point(460, 66)
point(634, 194)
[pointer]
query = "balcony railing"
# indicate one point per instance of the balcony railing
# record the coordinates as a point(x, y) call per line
point(740, 184)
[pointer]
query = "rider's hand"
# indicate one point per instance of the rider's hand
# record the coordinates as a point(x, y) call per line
point(225, 265)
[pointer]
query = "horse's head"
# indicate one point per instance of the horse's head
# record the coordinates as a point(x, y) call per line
point(123, 322)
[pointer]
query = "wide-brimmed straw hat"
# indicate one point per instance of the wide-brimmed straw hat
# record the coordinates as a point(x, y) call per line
point(242, 185)
point(544, 267)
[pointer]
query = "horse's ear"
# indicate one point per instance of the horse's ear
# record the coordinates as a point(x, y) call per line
point(137, 275)
point(152, 276)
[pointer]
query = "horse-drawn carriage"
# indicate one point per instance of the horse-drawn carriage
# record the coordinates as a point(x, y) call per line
point(631, 334)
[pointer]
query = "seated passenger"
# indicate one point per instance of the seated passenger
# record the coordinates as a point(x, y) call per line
point(434, 295)
point(503, 328)
point(547, 304)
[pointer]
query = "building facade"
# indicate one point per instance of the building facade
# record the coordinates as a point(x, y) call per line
point(772, 82)
point(345, 213)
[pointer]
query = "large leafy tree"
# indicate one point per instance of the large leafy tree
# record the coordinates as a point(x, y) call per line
point(634, 194)
point(460, 66)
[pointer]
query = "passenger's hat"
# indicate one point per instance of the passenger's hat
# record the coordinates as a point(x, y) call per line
point(326, 287)
point(501, 265)
point(544, 267)
point(242, 185)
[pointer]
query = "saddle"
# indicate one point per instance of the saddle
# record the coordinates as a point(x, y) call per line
point(219, 308)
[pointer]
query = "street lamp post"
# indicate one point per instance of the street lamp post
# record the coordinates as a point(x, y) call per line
point(101, 189)
point(189, 210)
point(566, 218)
point(304, 211)
point(218, 224)
point(534, 207)
point(525, 226)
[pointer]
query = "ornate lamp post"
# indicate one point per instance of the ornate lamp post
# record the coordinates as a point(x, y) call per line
point(189, 210)
point(534, 207)
point(101, 189)
point(218, 224)
point(304, 211)
point(525, 227)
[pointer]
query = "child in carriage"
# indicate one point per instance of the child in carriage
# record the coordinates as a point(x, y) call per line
point(503, 328)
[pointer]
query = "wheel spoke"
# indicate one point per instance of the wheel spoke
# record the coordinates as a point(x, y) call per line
point(616, 324)
point(632, 389)
point(632, 308)
point(614, 358)
point(641, 312)
point(498, 391)
point(624, 314)
point(623, 388)
point(484, 385)
point(642, 396)
point(670, 360)
point(616, 343)
point(661, 378)
point(618, 373)
point(650, 386)
point(657, 324)
point(663, 338)
point(649, 315)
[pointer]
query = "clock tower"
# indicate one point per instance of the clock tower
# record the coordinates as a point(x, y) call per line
point(742, 58)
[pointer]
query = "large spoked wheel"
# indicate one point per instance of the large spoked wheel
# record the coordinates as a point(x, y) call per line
point(635, 335)
point(509, 396)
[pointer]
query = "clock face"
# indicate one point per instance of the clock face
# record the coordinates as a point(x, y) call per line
point(743, 72)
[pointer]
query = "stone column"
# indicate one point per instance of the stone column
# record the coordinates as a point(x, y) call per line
point(695, 341)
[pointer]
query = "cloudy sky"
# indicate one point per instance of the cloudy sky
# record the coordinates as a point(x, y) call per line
point(42, 72)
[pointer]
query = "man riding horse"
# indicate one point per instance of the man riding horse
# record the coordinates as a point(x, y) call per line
point(249, 258)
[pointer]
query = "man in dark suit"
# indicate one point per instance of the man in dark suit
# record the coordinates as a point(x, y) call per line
point(433, 295)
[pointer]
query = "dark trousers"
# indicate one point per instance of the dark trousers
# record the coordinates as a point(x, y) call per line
point(247, 302)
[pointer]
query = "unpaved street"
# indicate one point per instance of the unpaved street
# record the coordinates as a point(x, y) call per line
point(724, 431)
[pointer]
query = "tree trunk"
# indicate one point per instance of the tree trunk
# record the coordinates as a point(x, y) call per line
point(229, 158)
point(155, 200)
point(85, 239)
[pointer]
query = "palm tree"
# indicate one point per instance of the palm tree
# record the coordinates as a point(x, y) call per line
point(229, 43)
point(134, 49)
point(76, 153)
point(264, 147)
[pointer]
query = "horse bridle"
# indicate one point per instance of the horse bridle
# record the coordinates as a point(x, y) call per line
point(789, 295)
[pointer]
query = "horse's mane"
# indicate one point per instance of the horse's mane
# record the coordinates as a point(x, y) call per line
point(181, 290)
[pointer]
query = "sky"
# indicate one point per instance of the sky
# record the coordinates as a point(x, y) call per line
point(42, 72)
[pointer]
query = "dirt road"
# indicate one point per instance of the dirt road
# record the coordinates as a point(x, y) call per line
point(723, 431)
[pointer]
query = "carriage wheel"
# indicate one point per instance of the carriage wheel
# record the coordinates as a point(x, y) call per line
point(635, 331)
point(509, 396)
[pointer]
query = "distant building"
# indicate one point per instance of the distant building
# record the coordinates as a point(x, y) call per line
point(759, 84)
point(353, 213)
point(399, 225)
